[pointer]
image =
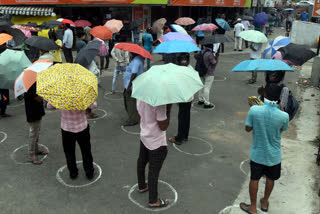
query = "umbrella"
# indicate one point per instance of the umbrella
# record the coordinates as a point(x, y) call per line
point(4, 37)
point(274, 45)
point(205, 27)
point(136, 23)
point(270, 18)
point(101, 32)
point(27, 33)
point(176, 46)
point(262, 65)
point(288, 9)
point(68, 86)
point(260, 19)
point(184, 21)
point(158, 24)
point(178, 28)
point(278, 56)
point(41, 43)
point(18, 35)
point(26, 28)
point(223, 24)
point(134, 48)
point(28, 77)
point(31, 24)
point(87, 54)
point(176, 36)
point(164, 84)
point(249, 18)
point(50, 24)
point(12, 64)
point(217, 38)
point(298, 54)
point(114, 25)
point(66, 21)
point(253, 36)
point(82, 23)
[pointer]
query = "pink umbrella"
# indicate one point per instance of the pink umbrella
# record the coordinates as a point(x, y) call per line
point(82, 23)
point(114, 25)
point(205, 27)
point(27, 33)
point(185, 21)
point(278, 56)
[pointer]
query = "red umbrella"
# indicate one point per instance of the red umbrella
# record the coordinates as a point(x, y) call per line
point(134, 48)
point(82, 23)
point(101, 32)
point(66, 21)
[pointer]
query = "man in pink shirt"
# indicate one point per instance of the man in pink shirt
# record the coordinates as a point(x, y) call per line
point(153, 148)
point(74, 127)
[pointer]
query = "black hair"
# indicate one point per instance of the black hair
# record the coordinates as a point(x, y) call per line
point(273, 91)
point(278, 74)
point(80, 34)
point(183, 59)
point(3, 47)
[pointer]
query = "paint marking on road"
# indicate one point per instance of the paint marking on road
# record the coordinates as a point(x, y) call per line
point(129, 132)
point(228, 208)
point(4, 136)
point(216, 79)
point(20, 147)
point(241, 166)
point(100, 117)
point(195, 154)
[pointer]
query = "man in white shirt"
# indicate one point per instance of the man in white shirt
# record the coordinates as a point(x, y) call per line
point(67, 44)
point(255, 53)
point(246, 25)
point(238, 28)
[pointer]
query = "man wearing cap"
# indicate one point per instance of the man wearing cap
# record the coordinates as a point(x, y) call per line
point(238, 28)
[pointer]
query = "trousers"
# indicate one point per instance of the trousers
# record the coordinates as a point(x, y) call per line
point(34, 133)
point(131, 107)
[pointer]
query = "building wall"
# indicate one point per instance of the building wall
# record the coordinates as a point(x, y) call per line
point(301, 33)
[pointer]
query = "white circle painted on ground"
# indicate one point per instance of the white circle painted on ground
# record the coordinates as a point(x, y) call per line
point(171, 203)
point(228, 209)
point(100, 117)
point(77, 186)
point(284, 170)
point(195, 105)
point(129, 132)
point(20, 147)
point(195, 154)
point(219, 79)
point(108, 95)
point(4, 136)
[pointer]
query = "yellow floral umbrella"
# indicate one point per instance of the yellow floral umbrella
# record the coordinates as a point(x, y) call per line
point(68, 86)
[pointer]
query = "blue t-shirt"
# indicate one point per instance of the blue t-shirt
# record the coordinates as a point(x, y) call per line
point(135, 67)
point(304, 16)
point(147, 39)
point(268, 122)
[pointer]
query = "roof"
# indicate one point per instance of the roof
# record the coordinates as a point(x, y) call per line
point(26, 11)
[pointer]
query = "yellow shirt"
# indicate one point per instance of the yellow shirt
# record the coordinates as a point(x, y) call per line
point(57, 53)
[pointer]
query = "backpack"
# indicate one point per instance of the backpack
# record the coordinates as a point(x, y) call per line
point(200, 66)
point(292, 104)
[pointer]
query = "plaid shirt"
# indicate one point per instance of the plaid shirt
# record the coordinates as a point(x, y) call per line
point(74, 120)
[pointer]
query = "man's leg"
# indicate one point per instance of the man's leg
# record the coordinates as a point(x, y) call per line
point(34, 132)
point(132, 111)
point(115, 77)
point(267, 192)
point(208, 81)
point(201, 92)
point(253, 190)
point(101, 62)
point(183, 121)
point(70, 55)
point(107, 62)
point(246, 43)
point(222, 47)
point(142, 161)
point(235, 43)
point(69, 147)
point(240, 44)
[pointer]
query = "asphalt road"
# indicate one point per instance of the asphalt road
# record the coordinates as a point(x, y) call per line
point(204, 177)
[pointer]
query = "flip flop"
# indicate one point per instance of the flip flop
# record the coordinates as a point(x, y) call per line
point(163, 203)
point(245, 207)
point(264, 210)
point(35, 161)
point(144, 190)
point(42, 152)
point(173, 140)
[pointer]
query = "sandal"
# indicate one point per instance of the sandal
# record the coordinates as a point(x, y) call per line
point(264, 210)
point(173, 140)
point(163, 203)
point(251, 81)
point(42, 152)
point(144, 190)
point(245, 207)
point(35, 161)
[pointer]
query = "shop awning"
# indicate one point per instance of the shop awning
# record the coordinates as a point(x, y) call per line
point(27, 11)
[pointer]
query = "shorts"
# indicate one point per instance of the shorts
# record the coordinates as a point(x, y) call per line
point(258, 170)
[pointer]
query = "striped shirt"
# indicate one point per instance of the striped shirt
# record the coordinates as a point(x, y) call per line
point(268, 122)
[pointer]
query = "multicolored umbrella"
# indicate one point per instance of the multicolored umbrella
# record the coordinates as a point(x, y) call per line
point(260, 19)
point(66, 21)
point(178, 28)
point(298, 54)
point(27, 33)
point(205, 27)
point(68, 86)
point(26, 27)
point(114, 25)
point(159, 24)
point(18, 35)
point(223, 24)
point(253, 36)
point(176, 46)
point(134, 48)
point(82, 23)
point(29, 76)
point(4, 37)
point(176, 36)
point(262, 65)
point(101, 32)
point(278, 55)
point(185, 21)
point(274, 45)
point(161, 84)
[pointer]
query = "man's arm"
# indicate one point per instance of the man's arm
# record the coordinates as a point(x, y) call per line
point(162, 113)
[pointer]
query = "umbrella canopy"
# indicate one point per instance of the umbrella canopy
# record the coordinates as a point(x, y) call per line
point(101, 32)
point(278, 55)
point(298, 54)
point(18, 35)
point(4, 37)
point(26, 27)
point(178, 28)
point(176, 36)
point(50, 24)
point(165, 84)
point(82, 23)
point(248, 18)
point(68, 86)
point(159, 24)
point(87, 54)
point(114, 25)
point(217, 38)
point(270, 18)
point(12, 64)
point(134, 48)
point(66, 21)
point(274, 45)
point(253, 36)
point(288, 9)
point(29, 76)
point(136, 23)
point(41, 43)
point(27, 33)
point(223, 24)
point(205, 27)
point(185, 21)
point(260, 19)
point(262, 65)
point(176, 46)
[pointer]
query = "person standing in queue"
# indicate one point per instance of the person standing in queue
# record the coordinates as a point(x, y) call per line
point(68, 43)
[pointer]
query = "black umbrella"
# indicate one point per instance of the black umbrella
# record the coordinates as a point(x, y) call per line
point(270, 18)
point(87, 54)
point(41, 43)
point(136, 23)
point(31, 24)
point(298, 54)
point(249, 18)
point(50, 24)
point(217, 38)
point(18, 35)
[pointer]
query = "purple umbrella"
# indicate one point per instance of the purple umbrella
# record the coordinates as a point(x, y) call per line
point(176, 36)
point(260, 19)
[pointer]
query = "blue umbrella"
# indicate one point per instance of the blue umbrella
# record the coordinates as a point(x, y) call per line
point(274, 45)
point(223, 24)
point(176, 46)
point(260, 19)
point(262, 65)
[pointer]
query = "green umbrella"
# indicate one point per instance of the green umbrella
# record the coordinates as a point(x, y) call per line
point(12, 64)
point(253, 36)
point(165, 84)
